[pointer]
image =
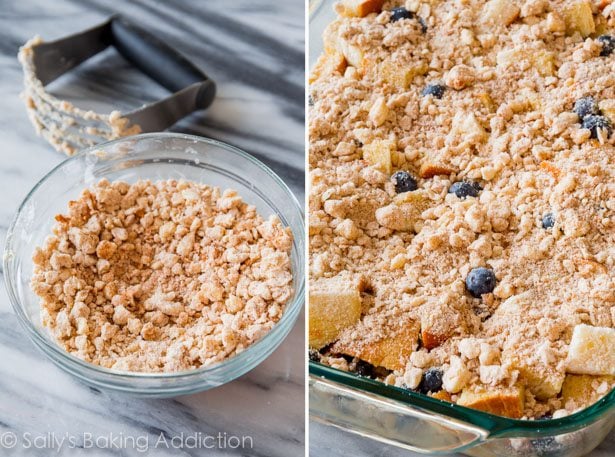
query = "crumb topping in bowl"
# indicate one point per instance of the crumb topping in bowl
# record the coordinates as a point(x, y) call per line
point(161, 276)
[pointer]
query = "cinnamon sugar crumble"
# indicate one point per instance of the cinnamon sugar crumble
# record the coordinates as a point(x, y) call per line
point(161, 276)
point(511, 73)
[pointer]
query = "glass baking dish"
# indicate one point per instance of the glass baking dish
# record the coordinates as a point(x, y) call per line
point(416, 422)
point(423, 424)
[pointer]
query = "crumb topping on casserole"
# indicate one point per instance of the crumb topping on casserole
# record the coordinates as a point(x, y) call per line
point(462, 200)
point(161, 276)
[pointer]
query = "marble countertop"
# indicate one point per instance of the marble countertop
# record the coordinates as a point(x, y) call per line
point(254, 52)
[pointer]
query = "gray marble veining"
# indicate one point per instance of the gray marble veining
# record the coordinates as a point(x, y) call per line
point(254, 52)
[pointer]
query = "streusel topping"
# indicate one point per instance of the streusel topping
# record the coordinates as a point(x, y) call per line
point(462, 179)
point(161, 276)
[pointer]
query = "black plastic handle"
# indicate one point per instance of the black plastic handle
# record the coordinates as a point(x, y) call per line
point(158, 60)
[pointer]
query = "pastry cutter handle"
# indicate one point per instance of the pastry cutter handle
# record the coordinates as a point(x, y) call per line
point(160, 62)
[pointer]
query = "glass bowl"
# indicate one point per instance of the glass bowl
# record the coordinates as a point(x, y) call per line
point(152, 156)
point(423, 424)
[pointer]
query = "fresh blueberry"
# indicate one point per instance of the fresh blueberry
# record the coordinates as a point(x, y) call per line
point(465, 189)
point(314, 355)
point(480, 281)
point(365, 369)
point(401, 13)
point(586, 106)
point(404, 182)
point(597, 122)
point(435, 90)
point(608, 45)
point(548, 221)
point(432, 381)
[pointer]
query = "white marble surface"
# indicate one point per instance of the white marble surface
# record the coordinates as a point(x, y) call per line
point(254, 51)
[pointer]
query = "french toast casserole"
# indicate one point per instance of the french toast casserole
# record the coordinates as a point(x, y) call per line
point(462, 200)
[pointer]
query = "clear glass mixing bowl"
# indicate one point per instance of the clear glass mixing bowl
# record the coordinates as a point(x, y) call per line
point(154, 156)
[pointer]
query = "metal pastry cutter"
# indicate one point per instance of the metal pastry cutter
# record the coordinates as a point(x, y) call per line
point(69, 128)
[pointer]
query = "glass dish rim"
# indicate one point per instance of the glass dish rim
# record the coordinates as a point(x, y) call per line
point(497, 426)
point(46, 345)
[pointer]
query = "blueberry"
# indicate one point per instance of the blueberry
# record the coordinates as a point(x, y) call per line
point(465, 189)
point(480, 281)
point(586, 106)
point(432, 381)
point(401, 13)
point(597, 122)
point(364, 369)
point(435, 90)
point(310, 100)
point(404, 182)
point(608, 45)
point(314, 355)
point(548, 221)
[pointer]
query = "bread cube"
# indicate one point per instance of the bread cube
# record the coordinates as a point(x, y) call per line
point(544, 63)
point(465, 126)
point(391, 352)
point(334, 304)
point(358, 8)
point(328, 64)
point(543, 381)
point(503, 401)
point(333, 43)
point(591, 351)
point(585, 390)
point(378, 154)
point(579, 18)
point(404, 212)
point(400, 76)
point(354, 56)
point(439, 323)
point(500, 12)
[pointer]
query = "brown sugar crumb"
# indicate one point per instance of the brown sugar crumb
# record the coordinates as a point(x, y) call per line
point(161, 276)
point(454, 136)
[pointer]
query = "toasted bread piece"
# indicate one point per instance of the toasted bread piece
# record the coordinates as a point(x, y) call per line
point(543, 381)
point(500, 12)
point(438, 323)
point(579, 18)
point(544, 63)
point(431, 169)
point(391, 351)
point(502, 401)
point(442, 395)
point(333, 43)
point(328, 64)
point(400, 76)
point(334, 304)
point(585, 390)
point(358, 8)
point(404, 212)
point(591, 351)
point(378, 154)
point(466, 127)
